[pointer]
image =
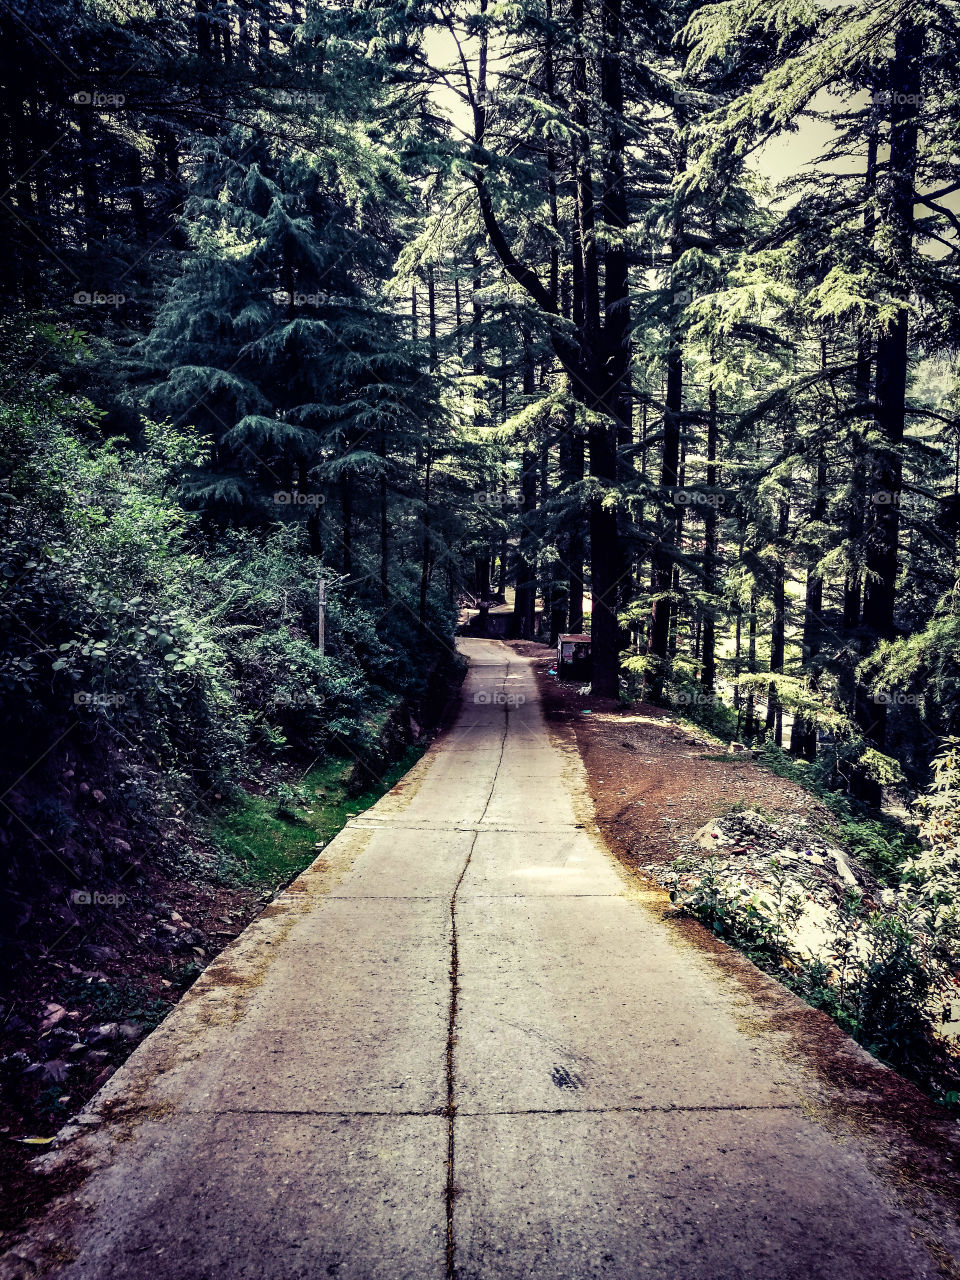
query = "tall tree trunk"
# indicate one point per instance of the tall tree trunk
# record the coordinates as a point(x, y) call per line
point(525, 591)
point(384, 521)
point(803, 739)
point(548, 586)
point(482, 575)
point(90, 182)
point(679, 509)
point(662, 576)
point(346, 514)
point(708, 669)
point(503, 567)
point(244, 43)
point(593, 389)
point(575, 552)
point(892, 354)
point(426, 550)
point(425, 555)
point(590, 382)
point(551, 88)
point(737, 659)
point(778, 632)
point(604, 566)
point(589, 275)
point(568, 611)
point(263, 29)
point(615, 340)
point(478, 365)
point(524, 600)
point(751, 724)
point(864, 409)
point(892, 350)
point(138, 208)
point(458, 313)
point(202, 30)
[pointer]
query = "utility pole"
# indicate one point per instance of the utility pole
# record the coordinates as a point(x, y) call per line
point(321, 614)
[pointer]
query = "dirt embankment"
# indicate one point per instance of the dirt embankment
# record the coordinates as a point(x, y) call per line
point(655, 783)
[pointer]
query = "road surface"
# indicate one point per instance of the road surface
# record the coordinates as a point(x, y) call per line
point(461, 1045)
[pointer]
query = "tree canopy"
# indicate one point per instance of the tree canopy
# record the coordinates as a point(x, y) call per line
point(639, 318)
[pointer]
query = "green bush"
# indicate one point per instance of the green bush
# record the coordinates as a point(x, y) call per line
point(151, 663)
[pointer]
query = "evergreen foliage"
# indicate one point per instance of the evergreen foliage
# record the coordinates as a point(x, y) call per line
point(465, 303)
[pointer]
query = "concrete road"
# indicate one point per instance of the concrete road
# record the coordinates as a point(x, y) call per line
point(460, 1045)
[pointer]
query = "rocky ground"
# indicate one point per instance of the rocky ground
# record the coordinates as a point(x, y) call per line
point(777, 863)
point(68, 1023)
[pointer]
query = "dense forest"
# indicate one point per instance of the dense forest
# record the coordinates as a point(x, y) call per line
point(639, 317)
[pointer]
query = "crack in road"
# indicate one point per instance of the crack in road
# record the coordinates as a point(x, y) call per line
point(451, 1109)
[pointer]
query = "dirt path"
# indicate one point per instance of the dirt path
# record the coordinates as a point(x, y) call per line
point(466, 1045)
point(653, 782)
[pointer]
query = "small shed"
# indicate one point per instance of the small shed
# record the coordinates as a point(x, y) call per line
point(491, 620)
point(573, 657)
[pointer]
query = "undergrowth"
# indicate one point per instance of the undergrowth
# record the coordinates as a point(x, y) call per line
point(270, 838)
point(876, 839)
